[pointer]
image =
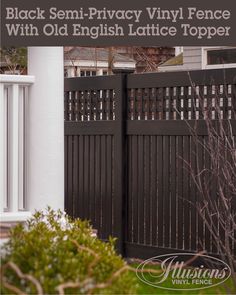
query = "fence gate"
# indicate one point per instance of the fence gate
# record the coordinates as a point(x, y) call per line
point(127, 142)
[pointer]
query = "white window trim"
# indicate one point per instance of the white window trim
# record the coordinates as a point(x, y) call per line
point(88, 70)
point(219, 66)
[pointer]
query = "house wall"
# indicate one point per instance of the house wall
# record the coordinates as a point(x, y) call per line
point(192, 58)
point(195, 58)
point(173, 68)
point(147, 58)
point(74, 68)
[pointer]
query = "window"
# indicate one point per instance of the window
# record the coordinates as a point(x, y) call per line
point(87, 73)
point(219, 57)
point(222, 56)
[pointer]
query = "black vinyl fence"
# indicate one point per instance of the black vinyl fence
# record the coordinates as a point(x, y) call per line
point(127, 142)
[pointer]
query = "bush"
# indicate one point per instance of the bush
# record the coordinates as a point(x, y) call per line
point(53, 254)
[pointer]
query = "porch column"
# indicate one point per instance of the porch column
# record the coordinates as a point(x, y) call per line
point(45, 177)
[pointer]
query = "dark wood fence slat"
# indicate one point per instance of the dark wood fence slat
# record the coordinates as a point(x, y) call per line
point(186, 197)
point(108, 199)
point(134, 186)
point(160, 190)
point(193, 204)
point(141, 196)
point(98, 183)
point(92, 192)
point(66, 171)
point(153, 180)
point(147, 204)
point(130, 200)
point(103, 188)
point(81, 177)
point(200, 224)
point(166, 190)
point(70, 176)
point(86, 195)
point(75, 156)
point(173, 191)
point(180, 191)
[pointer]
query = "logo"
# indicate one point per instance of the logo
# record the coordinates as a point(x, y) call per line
point(183, 271)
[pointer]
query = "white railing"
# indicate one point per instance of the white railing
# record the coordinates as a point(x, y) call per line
point(13, 149)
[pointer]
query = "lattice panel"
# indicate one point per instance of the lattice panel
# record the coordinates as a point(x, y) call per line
point(182, 103)
point(89, 105)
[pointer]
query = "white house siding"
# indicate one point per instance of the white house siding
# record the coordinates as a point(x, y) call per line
point(192, 58)
point(171, 68)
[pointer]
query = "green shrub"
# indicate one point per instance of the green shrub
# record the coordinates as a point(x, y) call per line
point(52, 250)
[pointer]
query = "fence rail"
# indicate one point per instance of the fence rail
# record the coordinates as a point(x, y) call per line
point(127, 139)
point(13, 100)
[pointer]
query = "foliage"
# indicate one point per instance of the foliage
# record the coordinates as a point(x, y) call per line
point(216, 179)
point(14, 57)
point(54, 254)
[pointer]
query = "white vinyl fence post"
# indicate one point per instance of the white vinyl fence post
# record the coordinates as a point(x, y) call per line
point(46, 128)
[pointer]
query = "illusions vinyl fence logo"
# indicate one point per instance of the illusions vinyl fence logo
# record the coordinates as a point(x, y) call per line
point(172, 271)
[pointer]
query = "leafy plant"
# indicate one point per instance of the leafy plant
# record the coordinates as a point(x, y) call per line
point(14, 58)
point(53, 254)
